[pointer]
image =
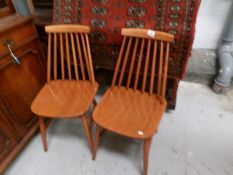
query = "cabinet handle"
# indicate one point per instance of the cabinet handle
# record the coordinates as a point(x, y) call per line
point(9, 44)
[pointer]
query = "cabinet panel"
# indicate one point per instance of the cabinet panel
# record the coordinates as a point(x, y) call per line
point(7, 139)
point(19, 85)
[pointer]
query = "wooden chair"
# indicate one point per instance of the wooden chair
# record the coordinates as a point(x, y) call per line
point(70, 87)
point(135, 102)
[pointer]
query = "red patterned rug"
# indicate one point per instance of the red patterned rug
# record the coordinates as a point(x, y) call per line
point(106, 18)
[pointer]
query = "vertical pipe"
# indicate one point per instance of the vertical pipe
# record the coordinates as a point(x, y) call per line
point(225, 56)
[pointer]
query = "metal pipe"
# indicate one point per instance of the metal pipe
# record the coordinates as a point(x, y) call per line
point(226, 66)
point(225, 55)
point(228, 29)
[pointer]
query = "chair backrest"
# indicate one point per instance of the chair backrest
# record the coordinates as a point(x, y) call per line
point(143, 58)
point(69, 55)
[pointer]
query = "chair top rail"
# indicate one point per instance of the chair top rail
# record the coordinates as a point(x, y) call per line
point(67, 28)
point(147, 33)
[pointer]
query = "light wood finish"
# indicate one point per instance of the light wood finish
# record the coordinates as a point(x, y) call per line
point(146, 33)
point(87, 131)
point(62, 57)
point(68, 28)
point(64, 98)
point(67, 93)
point(129, 108)
point(152, 76)
point(55, 57)
point(98, 131)
point(49, 58)
point(126, 112)
point(91, 121)
point(43, 133)
point(146, 149)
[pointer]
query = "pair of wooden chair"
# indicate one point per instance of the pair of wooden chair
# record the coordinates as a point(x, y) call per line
point(132, 106)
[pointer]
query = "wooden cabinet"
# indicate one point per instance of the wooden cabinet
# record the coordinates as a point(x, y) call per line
point(19, 84)
point(6, 8)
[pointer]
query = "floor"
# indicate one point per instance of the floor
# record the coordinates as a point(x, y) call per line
point(195, 139)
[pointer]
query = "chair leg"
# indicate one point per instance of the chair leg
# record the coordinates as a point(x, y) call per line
point(147, 143)
point(91, 118)
point(91, 122)
point(98, 131)
point(94, 102)
point(87, 131)
point(43, 133)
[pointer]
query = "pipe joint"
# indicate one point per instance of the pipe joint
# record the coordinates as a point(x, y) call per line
point(226, 69)
point(226, 47)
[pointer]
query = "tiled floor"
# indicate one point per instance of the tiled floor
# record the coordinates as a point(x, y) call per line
point(195, 139)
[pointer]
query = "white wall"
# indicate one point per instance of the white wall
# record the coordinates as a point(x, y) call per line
point(210, 22)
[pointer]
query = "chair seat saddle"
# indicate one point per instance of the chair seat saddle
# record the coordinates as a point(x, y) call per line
point(133, 113)
point(64, 98)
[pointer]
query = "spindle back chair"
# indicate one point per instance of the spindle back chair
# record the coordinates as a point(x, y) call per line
point(135, 102)
point(71, 86)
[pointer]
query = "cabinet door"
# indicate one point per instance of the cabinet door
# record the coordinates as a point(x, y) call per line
point(19, 85)
point(7, 138)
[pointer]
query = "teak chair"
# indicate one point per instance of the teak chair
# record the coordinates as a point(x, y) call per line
point(71, 86)
point(135, 102)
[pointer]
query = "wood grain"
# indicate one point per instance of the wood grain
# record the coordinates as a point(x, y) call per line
point(65, 96)
point(67, 28)
point(126, 112)
point(126, 108)
point(143, 33)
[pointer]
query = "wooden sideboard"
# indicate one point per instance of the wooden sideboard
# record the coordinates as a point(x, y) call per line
point(6, 8)
point(19, 84)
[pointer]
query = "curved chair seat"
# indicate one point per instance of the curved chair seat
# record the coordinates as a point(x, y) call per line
point(71, 85)
point(64, 98)
point(134, 104)
point(129, 113)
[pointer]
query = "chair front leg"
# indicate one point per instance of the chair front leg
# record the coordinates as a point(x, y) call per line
point(98, 131)
point(147, 143)
point(43, 132)
point(88, 132)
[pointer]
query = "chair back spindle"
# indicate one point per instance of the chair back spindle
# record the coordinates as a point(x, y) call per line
point(74, 57)
point(49, 59)
point(143, 61)
point(118, 62)
point(62, 57)
point(55, 56)
point(132, 63)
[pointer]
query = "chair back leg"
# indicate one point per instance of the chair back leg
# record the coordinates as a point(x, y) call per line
point(43, 133)
point(147, 143)
point(88, 132)
point(98, 131)
point(91, 118)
